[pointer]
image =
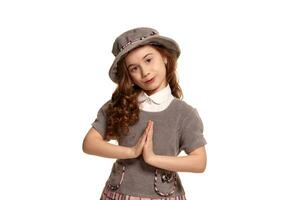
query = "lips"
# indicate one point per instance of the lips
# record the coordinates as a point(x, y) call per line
point(150, 80)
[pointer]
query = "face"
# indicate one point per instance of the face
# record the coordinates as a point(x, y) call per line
point(146, 67)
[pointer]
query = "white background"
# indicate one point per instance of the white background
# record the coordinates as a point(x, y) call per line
point(238, 67)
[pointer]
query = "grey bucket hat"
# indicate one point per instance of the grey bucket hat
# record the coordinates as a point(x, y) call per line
point(134, 38)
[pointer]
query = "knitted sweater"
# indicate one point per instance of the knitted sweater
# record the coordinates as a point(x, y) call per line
point(178, 127)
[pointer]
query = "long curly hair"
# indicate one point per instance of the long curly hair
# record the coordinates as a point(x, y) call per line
point(123, 109)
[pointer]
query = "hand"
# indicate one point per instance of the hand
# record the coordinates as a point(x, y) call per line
point(148, 153)
point(138, 148)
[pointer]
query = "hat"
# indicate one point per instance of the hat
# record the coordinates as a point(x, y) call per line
point(134, 38)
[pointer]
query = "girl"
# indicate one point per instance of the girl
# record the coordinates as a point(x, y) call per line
point(149, 120)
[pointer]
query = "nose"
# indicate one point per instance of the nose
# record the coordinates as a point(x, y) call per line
point(144, 71)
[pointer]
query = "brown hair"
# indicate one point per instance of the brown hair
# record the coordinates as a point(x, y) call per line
point(123, 109)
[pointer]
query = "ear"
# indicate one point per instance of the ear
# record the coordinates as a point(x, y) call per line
point(132, 82)
point(165, 60)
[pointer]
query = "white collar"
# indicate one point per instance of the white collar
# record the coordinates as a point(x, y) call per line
point(158, 97)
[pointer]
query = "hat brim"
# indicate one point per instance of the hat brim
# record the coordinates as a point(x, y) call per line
point(156, 39)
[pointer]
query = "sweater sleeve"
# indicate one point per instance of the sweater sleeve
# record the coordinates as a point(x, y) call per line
point(191, 134)
point(100, 122)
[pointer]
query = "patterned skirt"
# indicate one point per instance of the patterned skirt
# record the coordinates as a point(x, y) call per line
point(111, 195)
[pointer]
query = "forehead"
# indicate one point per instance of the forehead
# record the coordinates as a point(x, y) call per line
point(139, 53)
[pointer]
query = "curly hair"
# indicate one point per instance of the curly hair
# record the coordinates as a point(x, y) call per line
point(123, 109)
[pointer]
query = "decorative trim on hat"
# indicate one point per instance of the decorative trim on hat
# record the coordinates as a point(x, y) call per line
point(141, 38)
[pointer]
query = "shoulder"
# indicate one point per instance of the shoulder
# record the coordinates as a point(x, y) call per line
point(104, 106)
point(183, 107)
point(186, 112)
point(106, 103)
point(189, 116)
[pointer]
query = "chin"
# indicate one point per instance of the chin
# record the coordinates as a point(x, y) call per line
point(152, 86)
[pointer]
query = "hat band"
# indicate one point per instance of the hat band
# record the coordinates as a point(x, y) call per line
point(139, 39)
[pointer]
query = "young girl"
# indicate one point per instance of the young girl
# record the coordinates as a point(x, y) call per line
point(150, 122)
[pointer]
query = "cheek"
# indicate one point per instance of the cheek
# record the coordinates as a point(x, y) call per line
point(157, 66)
point(161, 68)
point(135, 77)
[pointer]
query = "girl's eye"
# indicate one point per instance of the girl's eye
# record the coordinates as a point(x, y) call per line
point(133, 69)
point(148, 60)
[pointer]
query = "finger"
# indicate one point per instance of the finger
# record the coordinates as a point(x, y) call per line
point(148, 128)
point(142, 137)
point(149, 136)
point(151, 128)
point(145, 137)
point(142, 140)
point(146, 131)
point(148, 125)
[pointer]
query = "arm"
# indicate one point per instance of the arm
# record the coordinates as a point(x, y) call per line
point(194, 162)
point(94, 144)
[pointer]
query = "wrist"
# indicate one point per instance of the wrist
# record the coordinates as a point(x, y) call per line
point(130, 152)
point(151, 160)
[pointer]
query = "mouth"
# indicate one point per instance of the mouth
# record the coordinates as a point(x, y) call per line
point(150, 80)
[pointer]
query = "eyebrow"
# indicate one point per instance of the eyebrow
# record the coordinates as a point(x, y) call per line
point(143, 58)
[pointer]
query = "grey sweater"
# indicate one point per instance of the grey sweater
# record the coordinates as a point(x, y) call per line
point(178, 127)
